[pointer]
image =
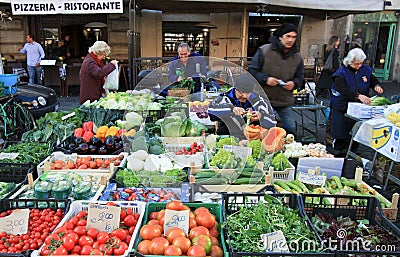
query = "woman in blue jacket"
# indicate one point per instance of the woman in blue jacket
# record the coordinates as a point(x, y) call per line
point(351, 83)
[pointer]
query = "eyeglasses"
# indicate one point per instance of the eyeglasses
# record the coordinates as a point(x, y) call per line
point(357, 63)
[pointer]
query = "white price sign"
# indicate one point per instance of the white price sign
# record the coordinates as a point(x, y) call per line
point(311, 179)
point(15, 223)
point(10, 156)
point(241, 152)
point(275, 242)
point(103, 217)
point(176, 219)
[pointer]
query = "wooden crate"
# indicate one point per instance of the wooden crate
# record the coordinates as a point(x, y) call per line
point(179, 92)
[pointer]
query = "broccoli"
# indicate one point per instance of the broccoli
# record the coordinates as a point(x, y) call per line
point(139, 144)
point(156, 149)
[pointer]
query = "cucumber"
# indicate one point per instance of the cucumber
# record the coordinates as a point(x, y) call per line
point(282, 185)
point(251, 174)
point(212, 181)
point(337, 181)
point(246, 181)
point(293, 186)
point(205, 174)
point(301, 185)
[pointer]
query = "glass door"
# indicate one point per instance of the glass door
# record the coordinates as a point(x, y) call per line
point(384, 51)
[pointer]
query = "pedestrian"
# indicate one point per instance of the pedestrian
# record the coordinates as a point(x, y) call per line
point(93, 72)
point(34, 54)
point(351, 83)
point(62, 51)
point(232, 109)
point(279, 68)
point(331, 64)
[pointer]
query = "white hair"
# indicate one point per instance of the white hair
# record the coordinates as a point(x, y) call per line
point(100, 47)
point(355, 55)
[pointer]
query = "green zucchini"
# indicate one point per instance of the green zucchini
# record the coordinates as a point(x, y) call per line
point(205, 174)
point(212, 181)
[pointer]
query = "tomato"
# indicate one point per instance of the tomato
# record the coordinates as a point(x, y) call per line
point(204, 241)
point(216, 251)
point(92, 232)
point(52, 239)
point(74, 236)
point(143, 247)
point(106, 249)
point(196, 250)
point(175, 205)
point(81, 214)
point(158, 245)
point(153, 215)
point(130, 220)
point(68, 243)
point(120, 249)
point(199, 230)
point(60, 251)
point(172, 250)
point(128, 238)
point(120, 233)
point(85, 240)
point(86, 250)
point(61, 231)
point(183, 243)
point(153, 222)
point(77, 249)
point(206, 220)
point(81, 223)
point(80, 230)
point(122, 214)
point(201, 210)
point(44, 251)
point(69, 225)
point(192, 223)
point(96, 245)
point(161, 214)
point(102, 237)
point(214, 231)
point(131, 230)
point(148, 232)
point(173, 233)
point(214, 240)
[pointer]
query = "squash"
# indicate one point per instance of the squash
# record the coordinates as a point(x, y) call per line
point(274, 140)
point(252, 132)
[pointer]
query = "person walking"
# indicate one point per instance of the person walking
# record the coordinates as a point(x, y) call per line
point(351, 83)
point(34, 54)
point(331, 64)
point(93, 72)
point(279, 68)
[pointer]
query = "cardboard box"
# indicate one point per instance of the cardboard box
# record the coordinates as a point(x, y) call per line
point(363, 111)
point(330, 166)
point(386, 140)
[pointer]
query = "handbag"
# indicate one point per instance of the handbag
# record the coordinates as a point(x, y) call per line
point(328, 65)
point(112, 80)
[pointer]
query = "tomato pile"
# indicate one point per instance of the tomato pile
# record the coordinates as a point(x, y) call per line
point(86, 162)
point(73, 239)
point(41, 223)
point(201, 241)
point(192, 149)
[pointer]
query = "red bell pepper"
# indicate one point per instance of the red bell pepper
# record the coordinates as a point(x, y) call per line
point(78, 132)
point(88, 126)
point(87, 136)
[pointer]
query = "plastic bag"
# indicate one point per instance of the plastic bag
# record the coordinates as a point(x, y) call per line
point(112, 80)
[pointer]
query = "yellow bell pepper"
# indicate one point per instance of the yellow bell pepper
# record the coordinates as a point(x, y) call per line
point(101, 131)
point(112, 131)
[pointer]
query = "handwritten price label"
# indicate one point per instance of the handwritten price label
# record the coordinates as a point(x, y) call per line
point(10, 156)
point(15, 223)
point(103, 217)
point(311, 179)
point(176, 219)
point(241, 152)
point(275, 242)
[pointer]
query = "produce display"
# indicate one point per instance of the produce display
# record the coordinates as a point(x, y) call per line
point(6, 188)
point(169, 178)
point(142, 194)
point(29, 152)
point(87, 162)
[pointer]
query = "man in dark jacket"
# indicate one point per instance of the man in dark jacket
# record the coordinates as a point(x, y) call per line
point(279, 68)
point(233, 108)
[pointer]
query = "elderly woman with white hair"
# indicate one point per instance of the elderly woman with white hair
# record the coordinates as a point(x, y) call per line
point(350, 83)
point(93, 72)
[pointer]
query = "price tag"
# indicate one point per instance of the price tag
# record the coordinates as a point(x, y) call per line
point(311, 179)
point(10, 156)
point(179, 219)
point(275, 242)
point(241, 152)
point(15, 223)
point(103, 217)
point(69, 115)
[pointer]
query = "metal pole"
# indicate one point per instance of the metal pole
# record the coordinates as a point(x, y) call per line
point(130, 45)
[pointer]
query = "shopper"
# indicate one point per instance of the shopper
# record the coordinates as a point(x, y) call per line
point(351, 83)
point(230, 109)
point(34, 54)
point(62, 51)
point(279, 68)
point(93, 72)
point(331, 64)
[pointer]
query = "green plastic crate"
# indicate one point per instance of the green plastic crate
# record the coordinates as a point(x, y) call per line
point(214, 208)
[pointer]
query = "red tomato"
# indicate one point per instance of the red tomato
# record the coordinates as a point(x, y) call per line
point(153, 222)
point(143, 247)
point(86, 250)
point(96, 252)
point(106, 249)
point(68, 243)
point(81, 223)
point(161, 214)
point(175, 205)
point(153, 215)
point(199, 230)
point(80, 230)
point(216, 251)
point(206, 220)
point(148, 232)
point(73, 220)
point(204, 241)
point(158, 245)
point(72, 235)
point(102, 237)
point(60, 251)
point(183, 243)
point(214, 240)
point(196, 250)
point(130, 220)
point(173, 233)
point(92, 232)
point(85, 240)
point(122, 214)
point(200, 210)
point(52, 238)
point(120, 233)
point(69, 225)
point(173, 250)
point(77, 249)
point(81, 214)
point(192, 223)
point(120, 248)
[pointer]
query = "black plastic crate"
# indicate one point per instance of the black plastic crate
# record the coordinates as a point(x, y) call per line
point(351, 206)
point(16, 172)
point(151, 116)
point(302, 99)
point(63, 147)
point(233, 202)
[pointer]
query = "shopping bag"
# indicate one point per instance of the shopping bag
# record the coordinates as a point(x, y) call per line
point(112, 80)
point(328, 65)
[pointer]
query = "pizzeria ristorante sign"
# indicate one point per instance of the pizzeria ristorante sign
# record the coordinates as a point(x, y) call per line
point(29, 7)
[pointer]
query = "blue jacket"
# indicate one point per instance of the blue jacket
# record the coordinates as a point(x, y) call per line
point(358, 82)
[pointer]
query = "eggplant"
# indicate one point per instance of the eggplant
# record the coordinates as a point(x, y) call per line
point(82, 148)
point(109, 142)
point(116, 139)
point(117, 145)
point(71, 147)
point(102, 150)
point(78, 141)
point(96, 141)
point(92, 149)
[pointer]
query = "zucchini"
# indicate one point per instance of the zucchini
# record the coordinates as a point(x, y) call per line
point(337, 181)
point(246, 181)
point(205, 174)
point(301, 185)
point(212, 181)
point(293, 186)
point(282, 185)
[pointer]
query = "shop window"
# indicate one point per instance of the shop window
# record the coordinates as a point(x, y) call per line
point(50, 37)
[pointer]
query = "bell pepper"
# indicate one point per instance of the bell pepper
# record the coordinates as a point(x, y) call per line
point(78, 132)
point(87, 126)
point(87, 136)
point(112, 131)
point(121, 131)
point(101, 131)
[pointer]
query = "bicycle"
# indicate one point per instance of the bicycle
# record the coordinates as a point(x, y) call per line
point(15, 119)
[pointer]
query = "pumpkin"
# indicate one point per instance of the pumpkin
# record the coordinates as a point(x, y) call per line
point(274, 140)
point(252, 132)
